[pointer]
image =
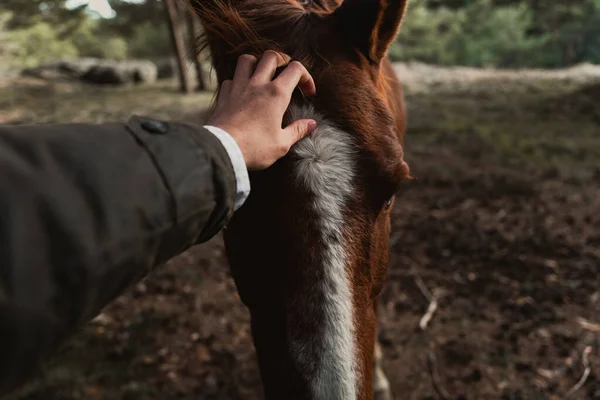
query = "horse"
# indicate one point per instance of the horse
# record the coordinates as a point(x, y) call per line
point(308, 251)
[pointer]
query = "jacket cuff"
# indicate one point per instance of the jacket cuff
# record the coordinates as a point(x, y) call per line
point(237, 160)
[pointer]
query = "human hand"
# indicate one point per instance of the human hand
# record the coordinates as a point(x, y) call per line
point(251, 106)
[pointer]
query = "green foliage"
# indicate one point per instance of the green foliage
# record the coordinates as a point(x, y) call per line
point(144, 25)
point(591, 39)
point(34, 31)
point(26, 47)
point(498, 36)
point(132, 14)
point(115, 48)
point(500, 33)
point(426, 35)
point(579, 35)
point(481, 33)
point(40, 41)
point(150, 41)
point(478, 35)
point(91, 41)
point(87, 42)
point(25, 13)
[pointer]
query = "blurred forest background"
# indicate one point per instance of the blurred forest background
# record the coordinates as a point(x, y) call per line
point(501, 224)
point(479, 33)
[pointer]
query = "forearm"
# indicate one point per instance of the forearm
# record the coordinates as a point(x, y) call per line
point(87, 211)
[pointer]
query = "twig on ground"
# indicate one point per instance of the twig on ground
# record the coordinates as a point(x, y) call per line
point(427, 316)
point(435, 378)
point(552, 376)
point(586, 364)
point(587, 325)
point(432, 303)
point(421, 285)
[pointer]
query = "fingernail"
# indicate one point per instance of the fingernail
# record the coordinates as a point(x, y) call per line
point(312, 125)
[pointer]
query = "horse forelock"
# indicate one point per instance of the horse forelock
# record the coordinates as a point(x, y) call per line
point(233, 28)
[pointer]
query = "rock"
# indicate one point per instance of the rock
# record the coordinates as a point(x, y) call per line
point(105, 75)
point(167, 69)
point(144, 72)
point(96, 71)
point(64, 68)
point(120, 73)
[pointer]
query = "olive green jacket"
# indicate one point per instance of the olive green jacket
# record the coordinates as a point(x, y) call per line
point(88, 210)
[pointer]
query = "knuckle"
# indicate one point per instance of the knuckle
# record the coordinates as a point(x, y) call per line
point(283, 148)
point(254, 82)
point(274, 89)
point(226, 85)
point(270, 54)
point(296, 65)
point(246, 59)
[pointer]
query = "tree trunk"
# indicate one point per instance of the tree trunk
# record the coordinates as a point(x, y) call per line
point(198, 58)
point(173, 19)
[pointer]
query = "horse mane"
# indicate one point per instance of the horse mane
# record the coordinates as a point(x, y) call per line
point(235, 27)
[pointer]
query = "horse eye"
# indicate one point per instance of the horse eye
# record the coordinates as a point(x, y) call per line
point(389, 202)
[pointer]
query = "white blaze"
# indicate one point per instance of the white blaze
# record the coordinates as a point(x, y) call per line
point(326, 167)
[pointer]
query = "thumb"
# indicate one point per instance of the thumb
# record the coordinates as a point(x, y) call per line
point(300, 129)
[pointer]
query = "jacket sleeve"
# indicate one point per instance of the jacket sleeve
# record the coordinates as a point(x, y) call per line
point(88, 210)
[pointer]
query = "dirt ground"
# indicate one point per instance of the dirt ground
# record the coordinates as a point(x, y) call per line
point(502, 225)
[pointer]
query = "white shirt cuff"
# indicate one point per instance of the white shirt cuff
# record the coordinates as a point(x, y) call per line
point(242, 181)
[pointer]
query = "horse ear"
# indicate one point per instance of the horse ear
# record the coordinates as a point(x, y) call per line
point(370, 25)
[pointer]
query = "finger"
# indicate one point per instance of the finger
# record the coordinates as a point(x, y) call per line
point(299, 129)
point(283, 59)
point(294, 75)
point(244, 68)
point(265, 70)
point(225, 87)
point(224, 91)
